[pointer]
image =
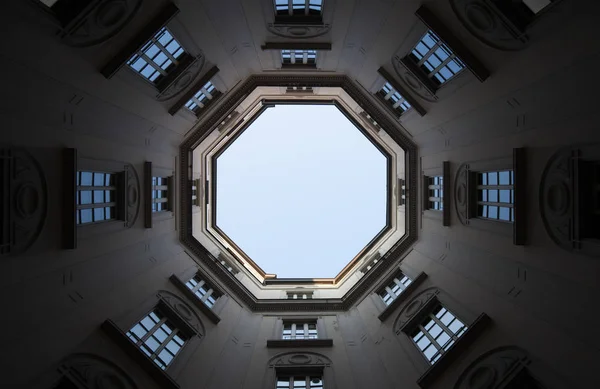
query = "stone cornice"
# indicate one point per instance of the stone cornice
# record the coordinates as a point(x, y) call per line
point(209, 263)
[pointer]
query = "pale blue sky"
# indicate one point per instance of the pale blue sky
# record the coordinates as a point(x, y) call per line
point(301, 191)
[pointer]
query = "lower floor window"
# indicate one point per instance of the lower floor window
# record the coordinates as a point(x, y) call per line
point(158, 338)
point(203, 291)
point(300, 330)
point(495, 195)
point(96, 197)
point(437, 332)
point(299, 381)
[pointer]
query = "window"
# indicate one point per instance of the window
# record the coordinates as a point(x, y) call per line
point(402, 197)
point(158, 338)
point(495, 195)
point(302, 381)
point(437, 332)
point(300, 295)
point(435, 192)
point(203, 291)
point(299, 7)
point(435, 59)
point(299, 57)
point(160, 191)
point(204, 96)
point(393, 99)
point(158, 57)
point(96, 197)
point(392, 290)
point(300, 330)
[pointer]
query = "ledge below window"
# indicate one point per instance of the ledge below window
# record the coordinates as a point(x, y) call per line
point(454, 352)
point(299, 343)
point(194, 299)
point(402, 297)
point(121, 339)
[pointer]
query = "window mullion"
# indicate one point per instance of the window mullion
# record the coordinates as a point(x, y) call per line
point(151, 62)
point(293, 330)
point(152, 330)
point(166, 52)
point(440, 66)
point(446, 329)
point(290, 7)
point(207, 295)
point(428, 54)
point(431, 338)
point(198, 286)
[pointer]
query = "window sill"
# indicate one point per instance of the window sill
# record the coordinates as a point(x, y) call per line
point(402, 297)
point(120, 338)
point(199, 304)
point(454, 352)
point(299, 343)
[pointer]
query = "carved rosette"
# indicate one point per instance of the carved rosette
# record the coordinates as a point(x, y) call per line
point(95, 372)
point(184, 80)
point(186, 312)
point(298, 31)
point(411, 81)
point(100, 23)
point(491, 369)
point(486, 23)
point(556, 198)
point(132, 188)
point(413, 307)
point(24, 200)
point(461, 193)
point(291, 359)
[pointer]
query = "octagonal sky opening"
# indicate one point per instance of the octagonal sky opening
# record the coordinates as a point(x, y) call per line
point(302, 191)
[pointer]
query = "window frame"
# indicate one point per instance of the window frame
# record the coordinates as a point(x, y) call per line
point(170, 304)
point(283, 18)
point(309, 58)
point(393, 99)
point(210, 292)
point(479, 187)
point(432, 185)
point(140, 342)
point(398, 280)
point(413, 312)
point(114, 187)
point(305, 331)
point(202, 98)
point(292, 381)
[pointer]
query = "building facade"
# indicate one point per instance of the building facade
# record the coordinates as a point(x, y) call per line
point(104, 287)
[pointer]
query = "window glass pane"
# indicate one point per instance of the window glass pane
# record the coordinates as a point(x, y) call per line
point(493, 196)
point(443, 339)
point(493, 212)
point(430, 352)
point(152, 343)
point(504, 178)
point(85, 197)
point(86, 178)
point(98, 179)
point(98, 196)
point(493, 178)
point(98, 214)
point(505, 196)
point(86, 216)
point(505, 213)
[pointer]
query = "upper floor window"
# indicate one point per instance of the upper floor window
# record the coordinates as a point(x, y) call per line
point(204, 291)
point(393, 289)
point(435, 59)
point(300, 295)
point(204, 96)
point(435, 192)
point(299, 57)
point(159, 56)
point(299, 7)
point(393, 99)
point(437, 332)
point(160, 198)
point(495, 195)
point(299, 381)
point(158, 338)
point(96, 197)
point(300, 330)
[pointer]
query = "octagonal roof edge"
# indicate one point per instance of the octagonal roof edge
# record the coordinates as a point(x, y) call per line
point(228, 103)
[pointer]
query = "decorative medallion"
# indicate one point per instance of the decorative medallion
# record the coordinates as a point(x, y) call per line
point(493, 368)
point(413, 82)
point(23, 198)
point(184, 80)
point(413, 307)
point(486, 23)
point(100, 23)
point(303, 358)
point(95, 372)
point(297, 31)
point(132, 185)
point(186, 312)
